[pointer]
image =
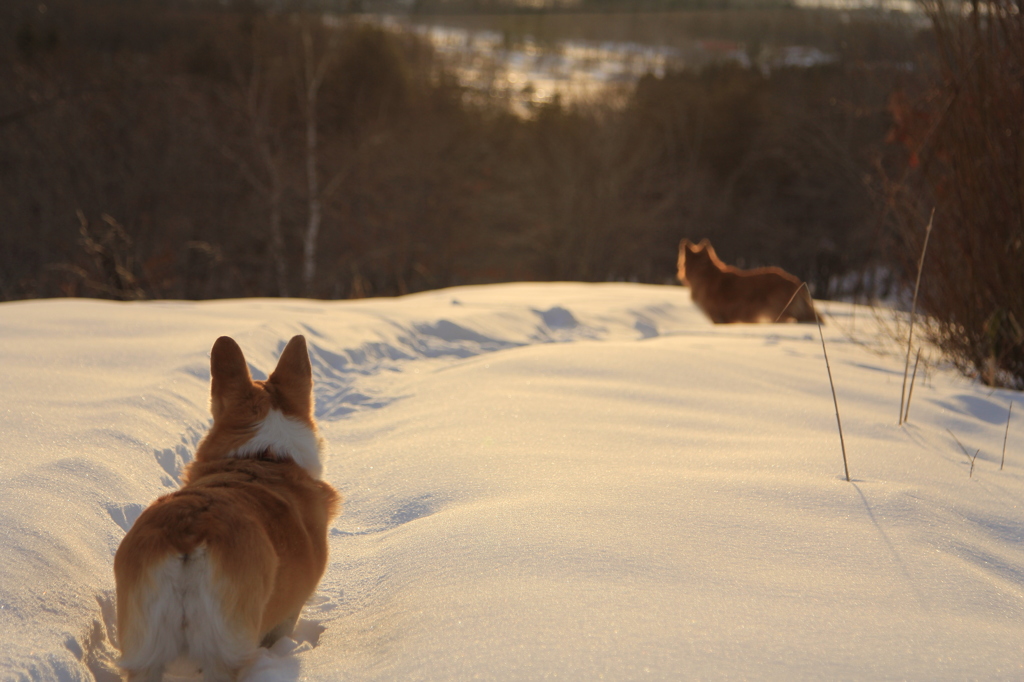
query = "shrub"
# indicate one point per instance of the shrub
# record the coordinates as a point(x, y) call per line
point(965, 141)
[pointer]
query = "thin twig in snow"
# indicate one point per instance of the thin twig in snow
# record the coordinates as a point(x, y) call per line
point(913, 310)
point(906, 415)
point(803, 285)
point(972, 458)
point(1005, 434)
point(957, 441)
point(839, 423)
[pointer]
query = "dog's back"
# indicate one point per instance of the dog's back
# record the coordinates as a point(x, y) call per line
point(727, 294)
point(225, 563)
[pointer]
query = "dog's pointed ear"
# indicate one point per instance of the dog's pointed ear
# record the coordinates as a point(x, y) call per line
point(228, 373)
point(293, 377)
point(704, 243)
point(684, 243)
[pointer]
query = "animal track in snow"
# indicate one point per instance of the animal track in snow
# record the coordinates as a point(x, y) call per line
point(173, 460)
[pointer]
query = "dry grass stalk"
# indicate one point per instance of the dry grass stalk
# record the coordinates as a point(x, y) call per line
point(913, 311)
point(969, 456)
point(910, 393)
point(1005, 434)
point(828, 367)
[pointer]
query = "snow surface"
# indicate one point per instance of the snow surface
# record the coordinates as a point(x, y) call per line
point(582, 481)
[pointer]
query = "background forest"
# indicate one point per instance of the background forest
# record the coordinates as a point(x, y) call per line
point(161, 150)
point(203, 150)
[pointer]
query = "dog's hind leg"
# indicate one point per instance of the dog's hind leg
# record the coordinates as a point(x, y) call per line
point(285, 627)
point(150, 619)
point(152, 674)
point(218, 672)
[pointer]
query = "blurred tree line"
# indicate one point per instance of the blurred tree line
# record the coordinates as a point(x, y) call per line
point(188, 150)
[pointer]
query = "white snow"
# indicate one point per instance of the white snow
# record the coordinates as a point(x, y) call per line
point(581, 481)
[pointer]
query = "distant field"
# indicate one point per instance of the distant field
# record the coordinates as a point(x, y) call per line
point(821, 28)
point(535, 58)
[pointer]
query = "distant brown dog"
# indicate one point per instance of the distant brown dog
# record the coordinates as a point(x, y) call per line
point(727, 294)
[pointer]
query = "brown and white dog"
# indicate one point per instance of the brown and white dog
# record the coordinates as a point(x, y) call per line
point(727, 294)
point(225, 564)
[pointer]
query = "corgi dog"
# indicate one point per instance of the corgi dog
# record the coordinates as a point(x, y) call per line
point(727, 294)
point(224, 565)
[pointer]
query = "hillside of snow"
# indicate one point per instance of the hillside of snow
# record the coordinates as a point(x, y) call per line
point(581, 481)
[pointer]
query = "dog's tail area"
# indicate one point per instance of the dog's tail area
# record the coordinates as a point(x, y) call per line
point(172, 604)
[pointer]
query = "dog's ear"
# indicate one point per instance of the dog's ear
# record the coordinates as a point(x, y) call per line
point(685, 243)
point(704, 243)
point(228, 373)
point(293, 378)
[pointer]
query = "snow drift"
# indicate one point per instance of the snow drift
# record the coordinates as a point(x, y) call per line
point(540, 480)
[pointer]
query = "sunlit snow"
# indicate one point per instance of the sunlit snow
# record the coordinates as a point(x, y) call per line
point(581, 481)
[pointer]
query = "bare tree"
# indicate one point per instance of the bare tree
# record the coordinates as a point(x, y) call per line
point(314, 70)
point(253, 105)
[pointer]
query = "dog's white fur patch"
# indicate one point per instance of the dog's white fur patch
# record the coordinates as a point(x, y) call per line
point(285, 438)
point(182, 616)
